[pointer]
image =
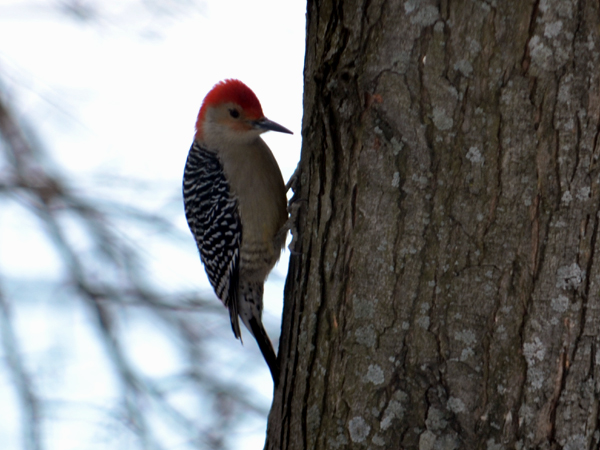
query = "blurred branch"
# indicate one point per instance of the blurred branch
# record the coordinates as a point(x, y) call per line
point(30, 405)
point(107, 290)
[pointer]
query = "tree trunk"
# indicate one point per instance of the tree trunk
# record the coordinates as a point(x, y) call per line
point(444, 291)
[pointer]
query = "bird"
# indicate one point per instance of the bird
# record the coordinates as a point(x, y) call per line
point(235, 204)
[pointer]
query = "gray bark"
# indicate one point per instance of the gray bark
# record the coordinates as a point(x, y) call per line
point(444, 292)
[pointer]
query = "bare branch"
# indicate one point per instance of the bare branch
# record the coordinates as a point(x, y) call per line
point(30, 403)
point(110, 283)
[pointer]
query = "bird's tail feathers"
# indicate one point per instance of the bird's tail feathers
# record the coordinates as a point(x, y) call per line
point(266, 348)
point(250, 309)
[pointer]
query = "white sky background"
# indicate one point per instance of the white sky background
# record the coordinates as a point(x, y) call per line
point(116, 98)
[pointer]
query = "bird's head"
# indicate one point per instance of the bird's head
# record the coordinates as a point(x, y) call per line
point(231, 113)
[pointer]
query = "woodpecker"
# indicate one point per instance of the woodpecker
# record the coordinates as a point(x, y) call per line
point(235, 204)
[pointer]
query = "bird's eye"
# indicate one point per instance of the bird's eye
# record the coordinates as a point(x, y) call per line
point(234, 113)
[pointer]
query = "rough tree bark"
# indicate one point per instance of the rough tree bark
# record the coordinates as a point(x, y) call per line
point(444, 293)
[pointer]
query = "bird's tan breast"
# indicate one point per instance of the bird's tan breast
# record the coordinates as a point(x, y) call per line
point(257, 183)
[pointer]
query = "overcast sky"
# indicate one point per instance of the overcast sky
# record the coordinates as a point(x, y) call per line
point(117, 95)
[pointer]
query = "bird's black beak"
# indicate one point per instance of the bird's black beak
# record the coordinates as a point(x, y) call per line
point(268, 125)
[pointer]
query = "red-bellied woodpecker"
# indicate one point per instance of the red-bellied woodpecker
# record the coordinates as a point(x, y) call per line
point(235, 204)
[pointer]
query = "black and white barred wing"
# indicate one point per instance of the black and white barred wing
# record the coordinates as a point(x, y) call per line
point(212, 215)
